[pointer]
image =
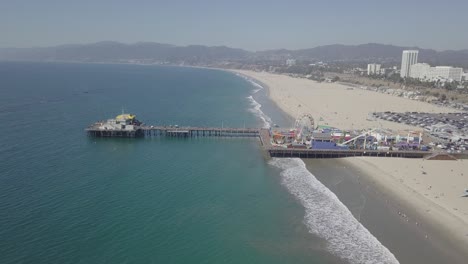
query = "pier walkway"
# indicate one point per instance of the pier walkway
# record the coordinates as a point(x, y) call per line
point(262, 133)
point(321, 153)
point(199, 131)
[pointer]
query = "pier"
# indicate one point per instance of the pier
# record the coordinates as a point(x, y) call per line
point(263, 134)
point(321, 154)
point(199, 131)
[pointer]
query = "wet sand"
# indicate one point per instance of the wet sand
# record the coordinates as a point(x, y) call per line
point(395, 224)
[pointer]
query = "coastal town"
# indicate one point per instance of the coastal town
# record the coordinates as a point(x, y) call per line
point(445, 131)
point(441, 85)
point(234, 132)
point(362, 127)
point(439, 132)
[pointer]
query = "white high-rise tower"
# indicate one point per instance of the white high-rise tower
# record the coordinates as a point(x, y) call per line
point(408, 58)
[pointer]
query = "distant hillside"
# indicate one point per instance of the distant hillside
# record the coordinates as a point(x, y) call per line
point(371, 52)
point(109, 51)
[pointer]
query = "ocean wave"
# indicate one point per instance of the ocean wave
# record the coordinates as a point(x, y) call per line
point(256, 106)
point(255, 84)
point(257, 111)
point(255, 91)
point(251, 81)
point(327, 217)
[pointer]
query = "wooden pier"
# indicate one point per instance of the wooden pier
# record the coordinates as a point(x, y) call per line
point(114, 133)
point(321, 153)
point(95, 130)
point(199, 131)
point(262, 134)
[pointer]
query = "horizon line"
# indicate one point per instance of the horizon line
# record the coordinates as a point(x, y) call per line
point(211, 46)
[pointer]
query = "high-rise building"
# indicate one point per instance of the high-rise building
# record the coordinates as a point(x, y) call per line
point(373, 69)
point(408, 58)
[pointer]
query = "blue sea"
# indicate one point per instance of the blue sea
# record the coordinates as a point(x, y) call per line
point(68, 198)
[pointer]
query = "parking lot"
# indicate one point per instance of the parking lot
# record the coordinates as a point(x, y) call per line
point(449, 131)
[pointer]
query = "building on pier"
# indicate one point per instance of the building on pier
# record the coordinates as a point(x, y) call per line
point(123, 125)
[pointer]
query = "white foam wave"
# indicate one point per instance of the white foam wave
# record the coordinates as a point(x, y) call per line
point(255, 91)
point(253, 82)
point(256, 110)
point(257, 85)
point(256, 106)
point(327, 217)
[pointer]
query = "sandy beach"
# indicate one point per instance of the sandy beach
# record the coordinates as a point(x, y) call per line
point(395, 223)
point(433, 187)
point(335, 104)
point(430, 189)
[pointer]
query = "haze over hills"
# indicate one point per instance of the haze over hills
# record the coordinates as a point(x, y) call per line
point(109, 51)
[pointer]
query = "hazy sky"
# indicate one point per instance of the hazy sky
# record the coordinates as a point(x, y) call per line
point(248, 24)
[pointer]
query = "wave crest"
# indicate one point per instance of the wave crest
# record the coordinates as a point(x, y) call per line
point(253, 82)
point(327, 217)
point(256, 110)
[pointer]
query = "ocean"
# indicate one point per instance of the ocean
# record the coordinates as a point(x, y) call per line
point(68, 198)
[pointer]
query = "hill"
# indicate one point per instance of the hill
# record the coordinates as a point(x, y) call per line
point(108, 51)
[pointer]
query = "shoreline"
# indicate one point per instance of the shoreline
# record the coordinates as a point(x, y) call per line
point(397, 225)
point(443, 229)
point(418, 208)
point(289, 118)
point(348, 110)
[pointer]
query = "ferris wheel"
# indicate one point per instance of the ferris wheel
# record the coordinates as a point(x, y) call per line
point(304, 127)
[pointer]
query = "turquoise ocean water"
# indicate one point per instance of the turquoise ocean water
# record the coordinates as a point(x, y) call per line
point(67, 198)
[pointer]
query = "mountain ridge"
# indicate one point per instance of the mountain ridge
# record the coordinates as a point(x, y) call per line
point(112, 51)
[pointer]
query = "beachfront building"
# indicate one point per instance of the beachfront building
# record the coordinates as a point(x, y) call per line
point(290, 62)
point(419, 71)
point(425, 72)
point(385, 71)
point(373, 69)
point(446, 72)
point(409, 57)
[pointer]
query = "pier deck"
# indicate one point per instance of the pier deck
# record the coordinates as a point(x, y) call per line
point(199, 131)
point(262, 134)
point(320, 153)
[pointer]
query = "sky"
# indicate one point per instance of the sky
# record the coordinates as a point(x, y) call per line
point(248, 24)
